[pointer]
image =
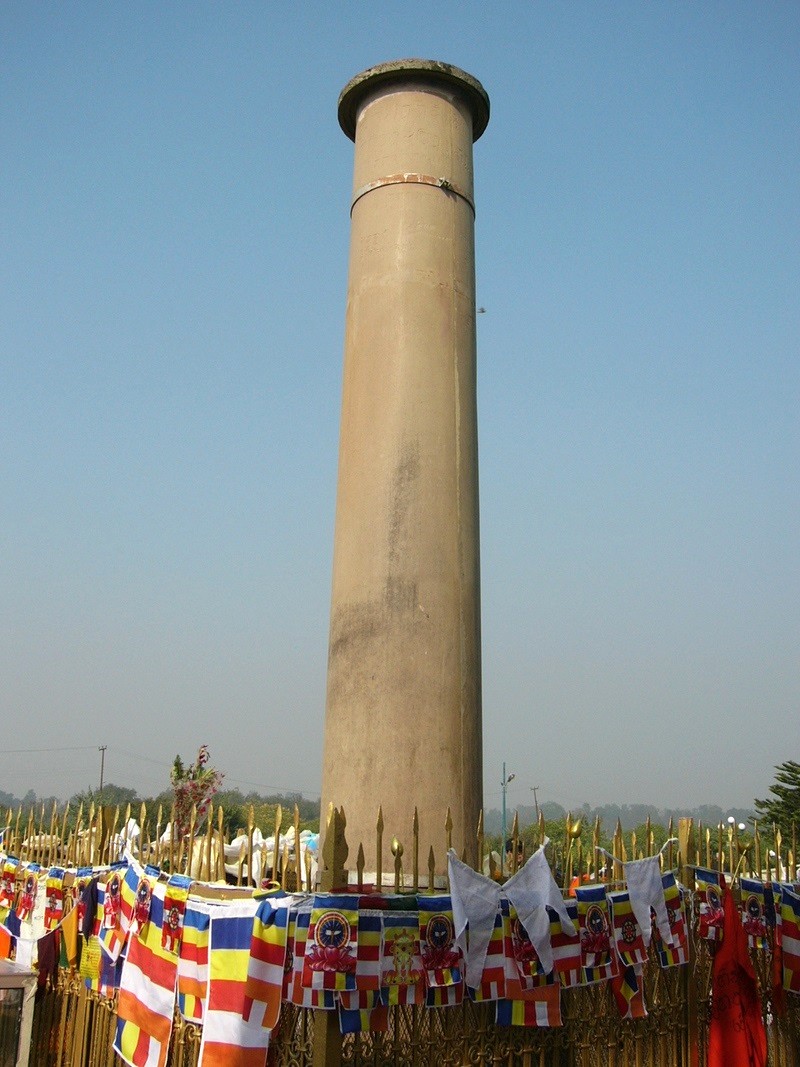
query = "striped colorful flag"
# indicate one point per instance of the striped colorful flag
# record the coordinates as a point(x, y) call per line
point(193, 962)
point(790, 938)
point(627, 988)
point(708, 895)
point(331, 951)
point(444, 996)
point(676, 954)
point(402, 976)
point(754, 912)
point(54, 897)
point(293, 989)
point(540, 1008)
point(147, 994)
point(441, 957)
point(228, 1039)
point(628, 939)
point(267, 961)
point(362, 1012)
point(595, 932)
point(370, 943)
point(492, 985)
point(566, 946)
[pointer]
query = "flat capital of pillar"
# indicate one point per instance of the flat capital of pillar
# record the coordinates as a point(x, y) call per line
point(418, 70)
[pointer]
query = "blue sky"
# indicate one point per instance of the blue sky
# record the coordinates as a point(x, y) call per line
point(173, 260)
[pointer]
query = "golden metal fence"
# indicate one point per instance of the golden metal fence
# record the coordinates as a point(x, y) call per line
point(74, 1027)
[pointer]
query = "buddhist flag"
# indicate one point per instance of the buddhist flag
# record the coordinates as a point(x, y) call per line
point(754, 912)
point(30, 890)
point(492, 983)
point(790, 939)
point(296, 942)
point(628, 939)
point(174, 911)
point(627, 989)
point(708, 895)
point(444, 996)
point(331, 951)
point(441, 957)
point(229, 1040)
point(113, 937)
point(541, 1007)
point(736, 1032)
point(595, 933)
point(193, 962)
point(363, 1012)
point(523, 968)
point(147, 994)
point(267, 961)
point(402, 977)
point(54, 898)
point(566, 946)
point(676, 954)
point(8, 882)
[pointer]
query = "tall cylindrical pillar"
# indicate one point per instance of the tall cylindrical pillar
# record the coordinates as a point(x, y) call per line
point(403, 716)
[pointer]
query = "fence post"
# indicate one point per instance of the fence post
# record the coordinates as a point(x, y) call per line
point(692, 1013)
point(327, 1036)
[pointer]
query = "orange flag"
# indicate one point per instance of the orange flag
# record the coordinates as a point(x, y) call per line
point(69, 930)
point(736, 1035)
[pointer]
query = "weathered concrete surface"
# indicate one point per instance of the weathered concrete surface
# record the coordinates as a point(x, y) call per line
point(403, 717)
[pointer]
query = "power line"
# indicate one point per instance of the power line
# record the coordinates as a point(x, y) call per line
point(65, 748)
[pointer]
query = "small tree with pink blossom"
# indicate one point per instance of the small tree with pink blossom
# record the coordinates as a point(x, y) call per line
point(194, 786)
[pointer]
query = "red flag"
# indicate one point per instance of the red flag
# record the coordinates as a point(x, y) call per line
point(736, 1035)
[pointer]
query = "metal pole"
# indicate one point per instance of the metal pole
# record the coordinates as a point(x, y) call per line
point(503, 835)
point(534, 788)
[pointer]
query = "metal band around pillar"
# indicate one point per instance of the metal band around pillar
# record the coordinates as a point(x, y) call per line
point(412, 179)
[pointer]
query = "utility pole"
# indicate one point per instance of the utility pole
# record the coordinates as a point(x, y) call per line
point(506, 780)
point(535, 802)
point(102, 750)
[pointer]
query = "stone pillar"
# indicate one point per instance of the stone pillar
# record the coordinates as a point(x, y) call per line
point(403, 716)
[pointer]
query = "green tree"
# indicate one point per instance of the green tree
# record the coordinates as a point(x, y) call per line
point(783, 808)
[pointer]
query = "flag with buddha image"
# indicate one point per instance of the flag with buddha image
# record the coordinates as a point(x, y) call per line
point(676, 954)
point(523, 968)
point(708, 896)
point(8, 882)
point(114, 937)
point(595, 933)
point(753, 909)
point(28, 892)
point(331, 953)
point(54, 898)
point(296, 942)
point(402, 976)
point(441, 956)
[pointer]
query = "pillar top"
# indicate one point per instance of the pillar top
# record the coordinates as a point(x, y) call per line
point(419, 70)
